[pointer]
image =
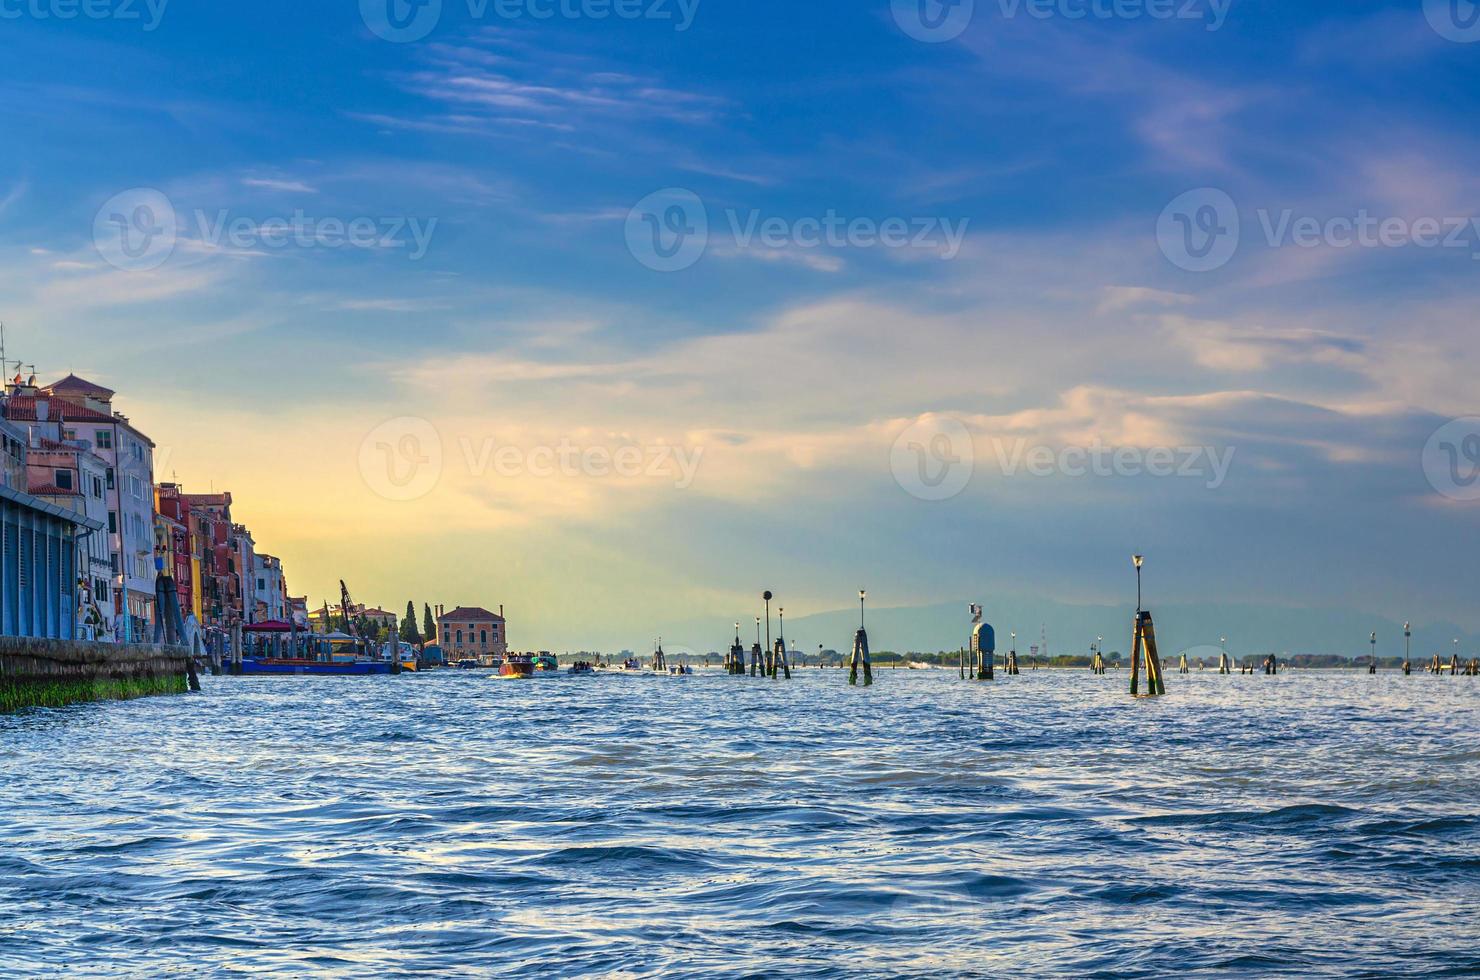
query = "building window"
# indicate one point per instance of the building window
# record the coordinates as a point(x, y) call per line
point(64, 479)
point(483, 637)
point(112, 522)
point(111, 481)
point(105, 439)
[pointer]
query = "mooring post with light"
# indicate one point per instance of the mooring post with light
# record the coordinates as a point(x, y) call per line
point(660, 662)
point(1182, 665)
point(1372, 668)
point(757, 654)
point(968, 652)
point(1012, 657)
point(1143, 645)
point(1225, 666)
point(860, 660)
point(735, 662)
point(1407, 649)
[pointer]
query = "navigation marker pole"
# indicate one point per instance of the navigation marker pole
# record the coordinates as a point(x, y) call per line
point(1143, 645)
point(1407, 649)
point(860, 649)
point(779, 658)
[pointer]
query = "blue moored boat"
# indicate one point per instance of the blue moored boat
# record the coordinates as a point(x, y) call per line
point(340, 668)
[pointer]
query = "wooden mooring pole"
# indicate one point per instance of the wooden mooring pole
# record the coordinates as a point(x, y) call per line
point(1144, 657)
point(860, 660)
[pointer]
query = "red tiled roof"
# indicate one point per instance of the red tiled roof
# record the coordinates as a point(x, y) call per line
point(471, 614)
point(22, 408)
point(47, 490)
point(72, 383)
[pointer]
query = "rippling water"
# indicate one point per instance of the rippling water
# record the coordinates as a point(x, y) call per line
point(453, 825)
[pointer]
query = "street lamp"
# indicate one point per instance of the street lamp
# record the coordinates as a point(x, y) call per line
point(766, 595)
point(862, 594)
point(1138, 561)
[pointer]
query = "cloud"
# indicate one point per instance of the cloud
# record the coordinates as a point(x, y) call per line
point(274, 184)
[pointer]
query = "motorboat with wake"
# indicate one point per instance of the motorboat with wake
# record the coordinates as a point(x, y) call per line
point(517, 665)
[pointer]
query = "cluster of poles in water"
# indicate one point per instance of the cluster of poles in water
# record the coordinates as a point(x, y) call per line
point(772, 661)
point(979, 660)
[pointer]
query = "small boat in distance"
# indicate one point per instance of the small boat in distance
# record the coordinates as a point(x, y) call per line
point(545, 661)
point(631, 663)
point(581, 667)
point(517, 665)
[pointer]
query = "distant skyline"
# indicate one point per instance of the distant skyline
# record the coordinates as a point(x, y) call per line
point(618, 321)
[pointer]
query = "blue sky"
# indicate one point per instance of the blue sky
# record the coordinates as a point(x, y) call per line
point(795, 376)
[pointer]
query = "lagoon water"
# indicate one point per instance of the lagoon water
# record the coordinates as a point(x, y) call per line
point(449, 825)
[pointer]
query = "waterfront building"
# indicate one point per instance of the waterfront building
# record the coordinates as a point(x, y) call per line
point(473, 633)
point(269, 589)
point(74, 409)
point(243, 562)
point(184, 545)
point(38, 566)
point(220, 585)
point(298, 609)
point(381, 617)
point(71, 476)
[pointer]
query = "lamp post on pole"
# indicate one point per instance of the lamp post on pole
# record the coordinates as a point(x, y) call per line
point(862, 593)
point(781, 664)
point(1373, 669)
point(1138, 560)
point(770, 656)
point(1407, 647)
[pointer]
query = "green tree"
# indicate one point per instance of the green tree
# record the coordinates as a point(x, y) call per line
point(428, 625)
point(408, 625)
